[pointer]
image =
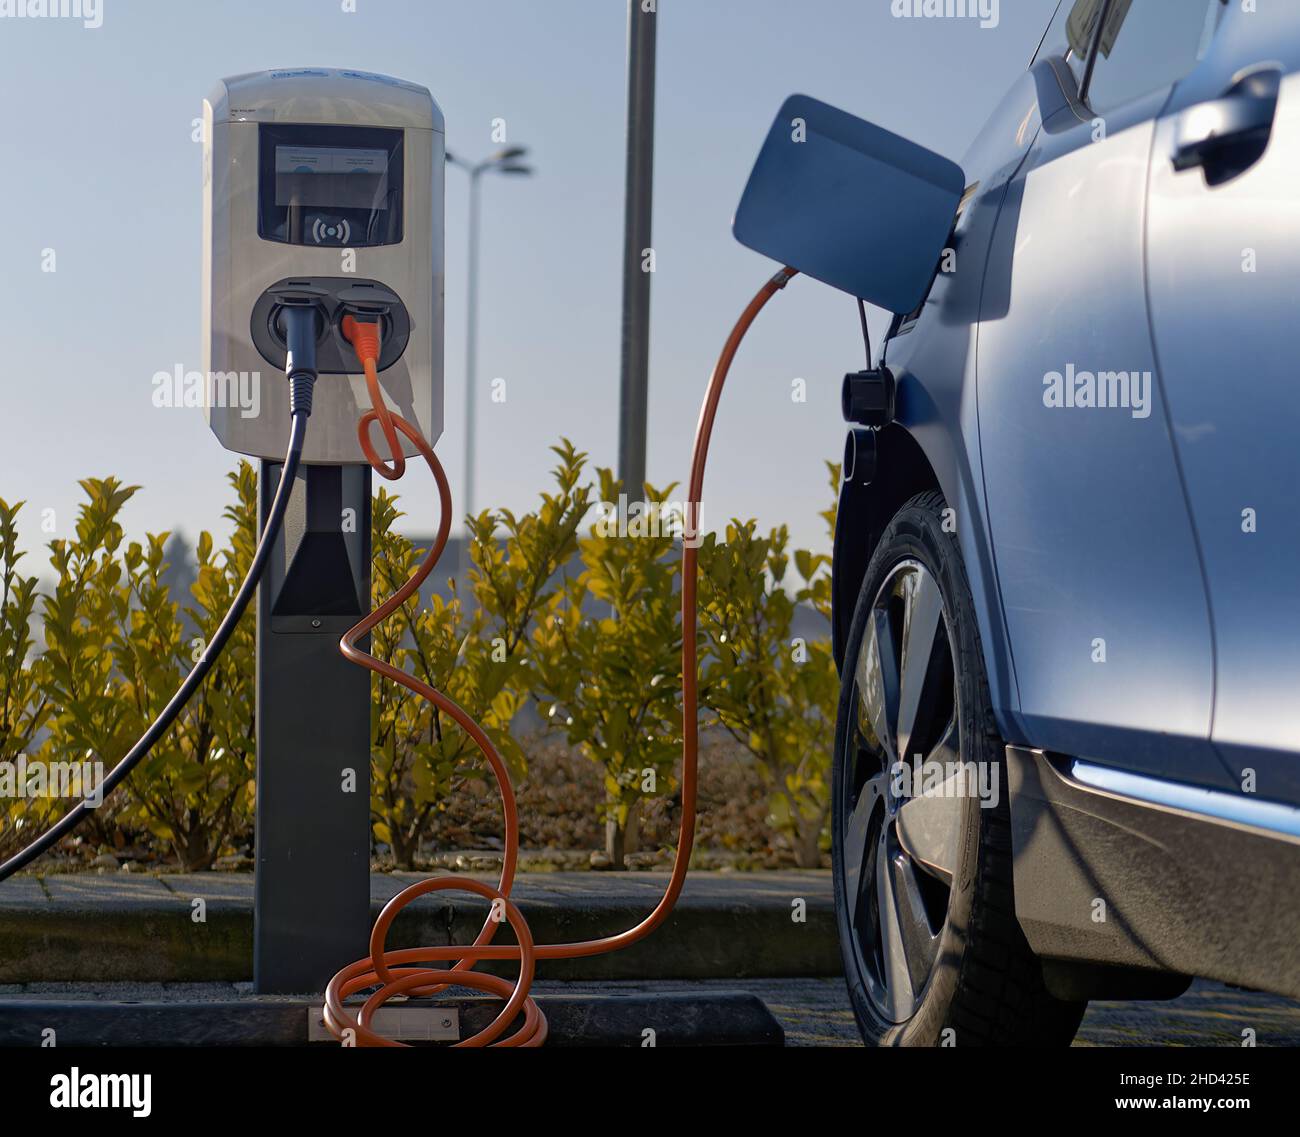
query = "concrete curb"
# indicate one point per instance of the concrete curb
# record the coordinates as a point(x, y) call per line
point(695, 1019)
point(92, 928)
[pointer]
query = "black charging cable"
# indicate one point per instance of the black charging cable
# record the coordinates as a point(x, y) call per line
point(866, 332)
point(301, 329)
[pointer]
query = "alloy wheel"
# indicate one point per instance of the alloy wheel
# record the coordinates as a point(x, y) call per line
point(900, 847)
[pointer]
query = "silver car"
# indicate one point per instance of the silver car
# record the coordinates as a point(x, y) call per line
point(1067, 565)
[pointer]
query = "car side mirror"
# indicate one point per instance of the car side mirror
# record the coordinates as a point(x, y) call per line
point(850, 204)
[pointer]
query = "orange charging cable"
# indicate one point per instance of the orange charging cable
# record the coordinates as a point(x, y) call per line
point(391, 972)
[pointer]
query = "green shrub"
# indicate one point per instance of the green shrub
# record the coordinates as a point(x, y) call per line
point(24, 706)
point(588, 626)
point(773, 692)
point(471, 653)
point(196, 788)
point(115, 651)
point(612, 682)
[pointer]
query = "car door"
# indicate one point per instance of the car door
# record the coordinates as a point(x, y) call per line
point(1223, 252)
point(1096, 558)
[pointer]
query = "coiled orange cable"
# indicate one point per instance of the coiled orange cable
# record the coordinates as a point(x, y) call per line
point(391, 972)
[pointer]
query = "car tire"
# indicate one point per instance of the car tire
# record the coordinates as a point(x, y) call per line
point(932, 950)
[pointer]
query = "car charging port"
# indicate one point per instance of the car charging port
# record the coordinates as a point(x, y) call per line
point(867, 397)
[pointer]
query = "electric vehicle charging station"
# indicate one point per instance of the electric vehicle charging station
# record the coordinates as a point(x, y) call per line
point(288, 187)
point(323, 250)
point(323, 189)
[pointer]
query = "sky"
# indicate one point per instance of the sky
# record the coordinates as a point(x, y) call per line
point(102, 167)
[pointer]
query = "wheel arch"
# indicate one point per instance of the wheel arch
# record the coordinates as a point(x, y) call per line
point(903, 469)
point(865, 510)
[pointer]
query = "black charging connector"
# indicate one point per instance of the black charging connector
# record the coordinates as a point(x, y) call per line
point(301, 324)
point(867, 397)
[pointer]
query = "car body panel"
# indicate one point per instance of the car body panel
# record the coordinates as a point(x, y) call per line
point(933, 360)
point(1233, 388)
point(1094, 548)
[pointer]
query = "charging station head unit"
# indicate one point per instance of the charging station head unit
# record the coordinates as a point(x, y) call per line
point(321, 186)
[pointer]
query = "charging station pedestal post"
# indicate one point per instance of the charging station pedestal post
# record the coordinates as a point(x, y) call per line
point(311, 903)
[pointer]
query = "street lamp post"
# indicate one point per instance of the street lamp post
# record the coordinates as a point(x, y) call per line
point(504, 162)
point(635, 371)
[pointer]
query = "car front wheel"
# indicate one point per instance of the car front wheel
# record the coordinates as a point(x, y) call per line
point(921, 839)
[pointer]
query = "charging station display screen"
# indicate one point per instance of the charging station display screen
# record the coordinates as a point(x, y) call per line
point(349, 178)
point(330, 185)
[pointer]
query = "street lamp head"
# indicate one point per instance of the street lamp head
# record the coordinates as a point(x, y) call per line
point(504, 161)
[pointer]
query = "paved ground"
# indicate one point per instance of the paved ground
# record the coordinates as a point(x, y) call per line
point(815, 1012)
point(731, 932)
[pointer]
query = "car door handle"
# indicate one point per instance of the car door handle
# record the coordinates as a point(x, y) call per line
point(1244, 114)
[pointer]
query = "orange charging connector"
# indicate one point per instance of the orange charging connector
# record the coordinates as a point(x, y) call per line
point(405, 972)
point(365, 337)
